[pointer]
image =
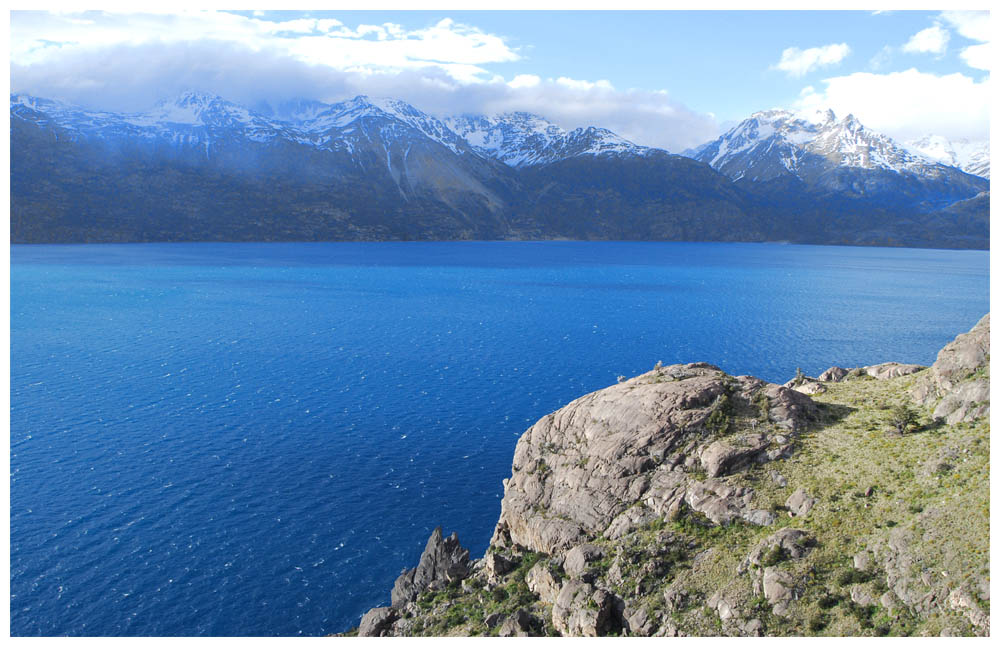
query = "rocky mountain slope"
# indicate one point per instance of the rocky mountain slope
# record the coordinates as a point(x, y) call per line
point(199, 167)
point(686, 502)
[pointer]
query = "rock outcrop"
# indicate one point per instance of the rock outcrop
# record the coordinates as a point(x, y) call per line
point(651, 508)
point(958, 382)
point(618, 457)
point(443, 561)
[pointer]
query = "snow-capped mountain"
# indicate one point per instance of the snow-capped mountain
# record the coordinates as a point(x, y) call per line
point(191, 118)
point(971, 157)
point(198, 118)
point(772, 143)
point(834, 157)
point(522, 139)
point(199, 167)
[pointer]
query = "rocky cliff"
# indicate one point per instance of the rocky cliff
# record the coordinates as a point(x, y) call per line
point(686, 501)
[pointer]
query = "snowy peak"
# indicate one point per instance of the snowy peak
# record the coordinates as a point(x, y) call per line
point(524, 139)
point(772, 143)
point(970, 156)
point(388, 115)
point(194, 108)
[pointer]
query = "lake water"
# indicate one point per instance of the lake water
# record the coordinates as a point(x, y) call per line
point(253, 439)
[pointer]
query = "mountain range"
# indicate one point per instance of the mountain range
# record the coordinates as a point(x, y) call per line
point(199, 167)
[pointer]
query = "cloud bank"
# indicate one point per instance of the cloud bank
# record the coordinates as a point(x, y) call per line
point(127, 62)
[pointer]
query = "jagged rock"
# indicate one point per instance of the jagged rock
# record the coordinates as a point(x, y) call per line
point(518, 624)
point(543, 582)
point(493, 620)
point(833, 374)
point(443, 561)
point(889, 370)
point(862, 560)
point(579, 559)
point(778, 479)
point(800, 503)
point(722, 503)
point(496, 565)
point(376, 622)
point(582, 610)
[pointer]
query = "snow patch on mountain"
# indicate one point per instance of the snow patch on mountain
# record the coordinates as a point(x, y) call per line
point(971, 156)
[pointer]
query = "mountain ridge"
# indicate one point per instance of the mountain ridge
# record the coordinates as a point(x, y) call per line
point(380, 169)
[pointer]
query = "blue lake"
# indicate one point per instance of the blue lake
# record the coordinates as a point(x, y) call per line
point(253, 439)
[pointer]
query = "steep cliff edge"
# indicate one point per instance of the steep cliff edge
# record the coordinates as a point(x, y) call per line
point(686, 501)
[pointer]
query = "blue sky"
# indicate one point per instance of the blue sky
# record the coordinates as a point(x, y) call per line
point(666, 78)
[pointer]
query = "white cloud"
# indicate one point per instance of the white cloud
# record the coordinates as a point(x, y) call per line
point(973, 25)
point(979, 57)
point(909, 104)
point(525, 81)
point(933, 40)
point(38, 37)
point(799, 62)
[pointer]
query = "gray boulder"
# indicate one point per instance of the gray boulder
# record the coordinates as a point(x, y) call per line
point(638, 622)
point(800, 503)
point(518, 624)
point(721, 457)
point(779, 589)
point(443, 560)
point(833, 374)
point(377, 622)
point(889, 370)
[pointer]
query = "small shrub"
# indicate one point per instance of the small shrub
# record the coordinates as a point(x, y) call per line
point(828, 601)
point(902, 417)
point(718, 421)
point(774, 556)
point(852, 576)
